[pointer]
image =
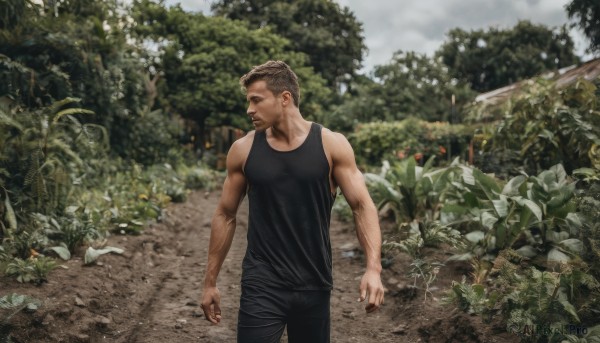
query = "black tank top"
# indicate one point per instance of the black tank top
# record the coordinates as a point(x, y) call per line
point(290, 208)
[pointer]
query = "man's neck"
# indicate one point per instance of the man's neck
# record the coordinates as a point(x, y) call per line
point(291, 127)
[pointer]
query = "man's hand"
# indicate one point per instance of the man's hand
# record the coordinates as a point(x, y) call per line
point(371, 289)
point(211, 298)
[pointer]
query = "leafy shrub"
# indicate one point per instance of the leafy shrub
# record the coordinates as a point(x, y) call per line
point(147, 139)
point(10, 305)
point(374, 142)
point(544, 125)
point(34, 269)
point(535, 215)
point(527, 299)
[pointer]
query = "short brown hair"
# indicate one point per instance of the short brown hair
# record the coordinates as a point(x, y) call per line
point(278, 76)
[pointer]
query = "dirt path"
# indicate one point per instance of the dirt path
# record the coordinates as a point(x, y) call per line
point(151, 293)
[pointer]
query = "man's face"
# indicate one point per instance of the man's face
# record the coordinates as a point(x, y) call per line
point(264, 108)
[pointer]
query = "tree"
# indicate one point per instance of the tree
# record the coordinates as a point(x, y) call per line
point(410, 85)
point(498, 57)
point(330, 35)
point(588, 14)
point(203, 58)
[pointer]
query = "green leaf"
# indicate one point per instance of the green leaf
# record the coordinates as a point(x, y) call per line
point(488, 220)
point(574, 220)
point(560, 172)
point(534, 208)
point(475, 236)
point(91, 255)
point(467, 176)
point(501, 206)
point(62, 252)
point(573, 245)
point(70, 111)
point(527, 251)
point(487, 182)
point(556, 255)
point(501, 235)
point(9, 213)
point(512, 186)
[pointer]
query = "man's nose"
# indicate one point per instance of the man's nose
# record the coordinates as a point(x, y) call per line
point(250, 111)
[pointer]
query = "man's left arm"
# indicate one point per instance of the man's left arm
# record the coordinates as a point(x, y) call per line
point(352, 183)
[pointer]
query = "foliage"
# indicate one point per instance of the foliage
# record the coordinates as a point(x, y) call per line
point(534, 304)
point(77, 49)
point(588, 203)
point(10, 305)
point(415, 195)
point(410, 85)
point(403, 139)
point(587, 13)
point(490, 59)
point(150, 138)
point(329, 34)
point(535, 215)
point(34, 269)
point(545, 125)
point(201, 80)
point(91, 254)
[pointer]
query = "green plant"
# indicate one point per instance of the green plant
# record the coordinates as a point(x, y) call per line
point(34, 269)
point(536, 215)
point(426, 271)
point(546, 124)
point(402, 139)
point(527, 298)
point(73, 229)
point(13, 304)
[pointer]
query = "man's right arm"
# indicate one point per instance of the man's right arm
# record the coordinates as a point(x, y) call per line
point(223, 227)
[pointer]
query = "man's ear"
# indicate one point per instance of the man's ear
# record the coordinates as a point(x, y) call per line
point(287, 98)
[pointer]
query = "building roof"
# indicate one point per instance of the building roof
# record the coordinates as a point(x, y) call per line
point(589, 70)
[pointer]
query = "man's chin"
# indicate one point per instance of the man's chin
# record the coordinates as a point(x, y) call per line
point(260, 126)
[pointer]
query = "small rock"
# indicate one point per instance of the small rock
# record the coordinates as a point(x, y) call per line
point(102, 321)
point(80, 337)
point(191, 303)
point(392, 281)
point(400, 329)
point(197, 314)
point(182, 321)
point(47, 319)
point(348, 246)
point(79, 302)
point(350, 315)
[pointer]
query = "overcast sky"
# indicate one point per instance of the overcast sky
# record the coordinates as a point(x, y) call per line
point(421, 25)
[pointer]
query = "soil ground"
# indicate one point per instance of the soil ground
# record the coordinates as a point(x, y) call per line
point(151, 293)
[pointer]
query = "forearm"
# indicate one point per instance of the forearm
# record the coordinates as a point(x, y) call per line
point(369, 233)
point(221, 236)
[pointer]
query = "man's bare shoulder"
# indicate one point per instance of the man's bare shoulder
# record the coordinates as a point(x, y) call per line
point(244, 142)
point(336, 143)
point(238, 153)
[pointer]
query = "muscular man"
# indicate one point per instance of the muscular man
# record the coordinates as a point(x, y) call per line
point(290, 168)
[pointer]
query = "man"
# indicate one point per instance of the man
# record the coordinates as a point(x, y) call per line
point(290, 169)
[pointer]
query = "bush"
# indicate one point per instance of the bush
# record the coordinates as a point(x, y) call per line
point(543, 126)
point(376, 141)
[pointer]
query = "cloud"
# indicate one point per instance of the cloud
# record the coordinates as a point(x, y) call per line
point(421, 25)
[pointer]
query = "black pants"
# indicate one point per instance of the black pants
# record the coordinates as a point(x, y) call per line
point(265, 311)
